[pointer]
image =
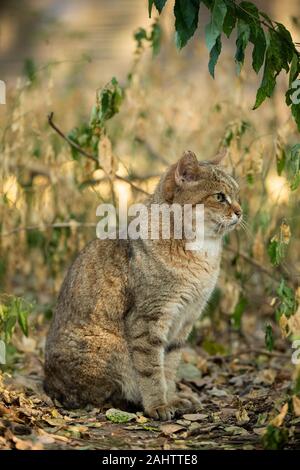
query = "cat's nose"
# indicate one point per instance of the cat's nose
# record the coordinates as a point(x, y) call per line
point(238, 211)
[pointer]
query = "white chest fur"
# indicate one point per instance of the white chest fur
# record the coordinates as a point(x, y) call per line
point(192, 298)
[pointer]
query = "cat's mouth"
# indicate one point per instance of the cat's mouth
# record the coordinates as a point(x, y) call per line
point(225, 226)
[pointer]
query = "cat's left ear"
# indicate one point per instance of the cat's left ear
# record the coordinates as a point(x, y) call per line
point(187, 169)
point(219, 157)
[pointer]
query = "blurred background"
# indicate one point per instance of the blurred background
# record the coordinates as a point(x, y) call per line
point(54, 56)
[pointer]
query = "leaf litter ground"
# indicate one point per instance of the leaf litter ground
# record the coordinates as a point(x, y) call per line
point(240, 395)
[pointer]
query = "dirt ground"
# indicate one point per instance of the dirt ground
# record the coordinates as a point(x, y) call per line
point(241, 394)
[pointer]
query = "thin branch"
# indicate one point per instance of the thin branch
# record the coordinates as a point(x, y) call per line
point(153, 154)
point(72, 224)
point(89, 155)
point(261, 268)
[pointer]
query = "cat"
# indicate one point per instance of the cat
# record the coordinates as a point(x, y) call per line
point(126, 307)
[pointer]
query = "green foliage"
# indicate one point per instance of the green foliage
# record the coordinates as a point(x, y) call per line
point(275, 438)
point(273, 46)
point(278, 245)
point(153, 38)
point(87, 135)
point(159, 4)
point(287, 300)
point(292, 167)
point(14, 311)
point(276, 251)
point(186, 20)
point(269, 339)
point(118, 416)
point(240, 308)
point(108, 102)
point(85, 138)
point(289, 162)
point(30, 70)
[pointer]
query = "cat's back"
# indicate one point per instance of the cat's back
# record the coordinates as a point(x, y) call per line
point(96, 282)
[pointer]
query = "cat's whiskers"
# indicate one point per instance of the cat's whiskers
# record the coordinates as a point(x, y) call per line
point(245, 227)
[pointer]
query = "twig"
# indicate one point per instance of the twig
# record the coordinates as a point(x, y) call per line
point(89, 155)
point(261, 268)
point(223, 357)
point(72, 224)
point(252, 261)
point(71, 142)
point(151, 151)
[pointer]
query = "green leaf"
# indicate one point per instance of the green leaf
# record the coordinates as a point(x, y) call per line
point(186, 20)
point(279, 54)
point(23, 321)
point(288, 303)
point(258, 38)
point(150, 5)
point(155, 38)
point(140, 35)
point(293, 167)
point(240, 308)
point(118, 416)
point(280, 161)
point(243, 36)
point(30, 70)
point(214, 55)
point(269, 339)
point(215, 27)
point(9, 326)
point(229, 20)
point(159, 4)
point(276, 252)
point(275, 438)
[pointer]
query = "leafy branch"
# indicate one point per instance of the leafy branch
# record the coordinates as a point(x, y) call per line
point(273, 46)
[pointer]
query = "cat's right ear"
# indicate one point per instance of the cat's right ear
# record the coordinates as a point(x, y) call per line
point(187, 169)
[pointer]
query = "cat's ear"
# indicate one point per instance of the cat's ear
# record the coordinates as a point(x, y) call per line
point(219, 157)
point(187, 168)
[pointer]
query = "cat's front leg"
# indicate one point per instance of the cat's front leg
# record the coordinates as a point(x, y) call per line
point(179, 401)
point(147, 347)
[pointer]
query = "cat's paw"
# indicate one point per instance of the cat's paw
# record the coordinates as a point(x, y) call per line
point(184, 402)
point(163, 412)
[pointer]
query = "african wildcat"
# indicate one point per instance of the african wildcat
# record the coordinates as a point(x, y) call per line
point(126, 307)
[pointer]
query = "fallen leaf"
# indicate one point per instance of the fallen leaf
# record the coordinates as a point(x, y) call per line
point(195, 416)
point(55, 421)
point(168, 429)
point(118, 416)
point(216, 392)
point(236, 430)
point(278, 420)
point(296, 405)
point(141, 419)
point(188, 372)
point(242, 416)
point(266, 377)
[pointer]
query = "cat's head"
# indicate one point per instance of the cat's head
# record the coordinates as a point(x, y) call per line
point(192, 182)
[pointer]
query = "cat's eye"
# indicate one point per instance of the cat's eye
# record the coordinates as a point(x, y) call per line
point(220, 197)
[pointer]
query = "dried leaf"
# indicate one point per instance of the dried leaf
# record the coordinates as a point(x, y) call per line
point(105, 156)
point(195, 416)
point(278, 420)
point(168, 429)
point(296, 405)
point(242, 416)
